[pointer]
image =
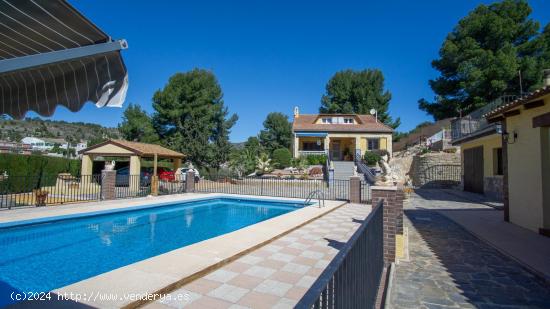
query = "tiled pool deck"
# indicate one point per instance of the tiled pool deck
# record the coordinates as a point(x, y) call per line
point(276, 275)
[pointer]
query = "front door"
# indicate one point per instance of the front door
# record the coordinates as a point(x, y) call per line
point(473, 169)
point(335, 151)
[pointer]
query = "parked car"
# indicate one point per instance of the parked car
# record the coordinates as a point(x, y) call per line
point(123, 177)
point(182, 172)
point(166, 174)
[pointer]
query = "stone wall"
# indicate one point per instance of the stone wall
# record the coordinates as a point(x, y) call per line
point(437, 169)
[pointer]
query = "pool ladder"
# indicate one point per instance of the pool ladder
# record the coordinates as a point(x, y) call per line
point(320, 196)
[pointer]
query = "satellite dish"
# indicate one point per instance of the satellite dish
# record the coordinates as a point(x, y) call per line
point(372, 111)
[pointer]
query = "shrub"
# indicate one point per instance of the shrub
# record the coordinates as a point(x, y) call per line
point(316, 159)
point(281, 157)
point(371, 158)
point(31, 172)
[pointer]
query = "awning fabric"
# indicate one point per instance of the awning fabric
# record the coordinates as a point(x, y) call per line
point(311, 134)
point(53, 29)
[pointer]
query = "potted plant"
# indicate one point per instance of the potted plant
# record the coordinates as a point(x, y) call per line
point(40, 197)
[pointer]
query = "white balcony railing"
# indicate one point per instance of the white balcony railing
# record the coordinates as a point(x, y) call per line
point(305, 153)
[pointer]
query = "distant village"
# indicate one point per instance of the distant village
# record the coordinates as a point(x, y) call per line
point(54, 147)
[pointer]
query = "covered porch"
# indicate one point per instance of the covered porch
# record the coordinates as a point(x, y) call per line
point(136, 153)
point(338, 148)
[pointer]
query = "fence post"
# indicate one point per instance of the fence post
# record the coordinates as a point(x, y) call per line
point(355, 189)
point(190, 181)
point(393, 218)
point(108, 185)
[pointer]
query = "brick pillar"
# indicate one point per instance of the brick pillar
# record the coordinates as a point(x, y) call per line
point(190, 182)
point(355, 189)
point(108, 182)
point(393, 217)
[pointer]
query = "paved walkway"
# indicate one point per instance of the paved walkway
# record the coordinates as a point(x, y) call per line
point(450, 268)
point(276, 275)
point(525, 246)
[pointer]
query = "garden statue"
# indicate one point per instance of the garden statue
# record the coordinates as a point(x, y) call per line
point(110, 166)
point(387, 175)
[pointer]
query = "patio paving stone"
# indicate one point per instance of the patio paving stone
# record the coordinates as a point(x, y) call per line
point(276, 275)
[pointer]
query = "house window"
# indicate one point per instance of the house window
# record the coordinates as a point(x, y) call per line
point(373, 143)
point(497, 161)
point(312, 146)
point(327, 120)
point(348, 120)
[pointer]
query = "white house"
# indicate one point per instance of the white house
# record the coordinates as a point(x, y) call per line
point(37, 143)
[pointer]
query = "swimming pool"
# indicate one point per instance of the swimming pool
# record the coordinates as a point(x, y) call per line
point(42, 256)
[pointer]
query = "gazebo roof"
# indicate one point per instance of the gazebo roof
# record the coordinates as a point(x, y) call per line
point(117, 147)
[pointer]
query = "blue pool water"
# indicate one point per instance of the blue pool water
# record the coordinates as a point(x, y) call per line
point(39, 257)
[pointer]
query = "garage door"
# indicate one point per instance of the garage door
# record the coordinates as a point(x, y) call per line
point(473, 169)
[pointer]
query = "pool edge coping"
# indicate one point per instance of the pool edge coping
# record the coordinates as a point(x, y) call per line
point(201, 273)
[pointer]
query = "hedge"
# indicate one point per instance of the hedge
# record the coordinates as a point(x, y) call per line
point(26, 172)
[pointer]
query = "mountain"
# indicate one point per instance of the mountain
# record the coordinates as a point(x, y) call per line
point(15, 130)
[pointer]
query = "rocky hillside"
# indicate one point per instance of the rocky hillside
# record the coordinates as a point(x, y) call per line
point(14, 130)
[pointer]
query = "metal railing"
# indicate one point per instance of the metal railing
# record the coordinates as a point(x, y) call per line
point(352, 279)
point(130, 186)
point(365, 170)
point(334, 189)
point(320, 197)
point(475, 122)
point(44, 190)
point(171, 187)
point(438, 176)
point(302, 153)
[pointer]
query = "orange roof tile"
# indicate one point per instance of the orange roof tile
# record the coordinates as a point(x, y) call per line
point(365, 123)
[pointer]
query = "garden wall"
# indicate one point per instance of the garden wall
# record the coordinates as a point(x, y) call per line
point(438, 169)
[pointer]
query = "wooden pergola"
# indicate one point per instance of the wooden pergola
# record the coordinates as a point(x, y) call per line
point(135, 151)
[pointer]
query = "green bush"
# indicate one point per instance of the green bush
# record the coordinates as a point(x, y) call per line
point(316, 159)
point(281, 157)
point(33, 165)
point(32, 172)
point(371, 158)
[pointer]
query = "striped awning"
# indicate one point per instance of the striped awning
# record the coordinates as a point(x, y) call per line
point(52, 55)
point(311, 134)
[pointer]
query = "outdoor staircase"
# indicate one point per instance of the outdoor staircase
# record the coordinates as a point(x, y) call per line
point(343, 169)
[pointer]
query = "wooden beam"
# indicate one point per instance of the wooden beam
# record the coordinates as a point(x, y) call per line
point(496, 119)
point(537, 103)
point(155, 165)
point(541, 121)
point(512, 113)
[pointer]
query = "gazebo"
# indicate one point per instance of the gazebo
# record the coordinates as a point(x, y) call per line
point(135, 151)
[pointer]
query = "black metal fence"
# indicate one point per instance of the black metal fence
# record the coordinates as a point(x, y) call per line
point(41, 190)
point(437, 176)
point(352, 279)
point(130, 186)
point(48, 190)
point(335, 189)
point(16, 191)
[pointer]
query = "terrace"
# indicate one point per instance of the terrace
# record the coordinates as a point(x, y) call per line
point(287, 260)
point(475, 124)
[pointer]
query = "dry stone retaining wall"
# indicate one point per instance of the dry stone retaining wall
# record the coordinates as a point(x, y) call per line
point(438, 169)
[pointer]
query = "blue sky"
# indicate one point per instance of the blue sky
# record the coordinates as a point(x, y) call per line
point(272, 56)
